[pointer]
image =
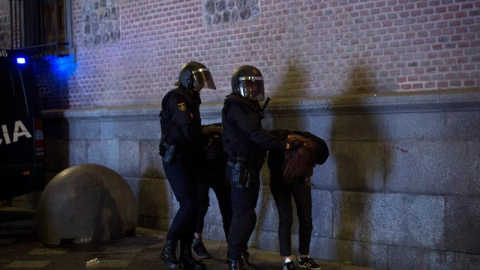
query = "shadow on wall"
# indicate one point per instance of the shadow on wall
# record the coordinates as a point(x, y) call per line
point(153, 194)
point(53, 77)
point(359, 154)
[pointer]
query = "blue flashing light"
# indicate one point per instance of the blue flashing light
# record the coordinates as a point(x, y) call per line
point(21, 60)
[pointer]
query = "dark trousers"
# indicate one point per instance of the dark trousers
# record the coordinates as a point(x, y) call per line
point(222, 192)
point(244, 201)
point(302, 195)
point(182, 178)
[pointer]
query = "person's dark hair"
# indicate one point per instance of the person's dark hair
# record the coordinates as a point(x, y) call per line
point(298, 164)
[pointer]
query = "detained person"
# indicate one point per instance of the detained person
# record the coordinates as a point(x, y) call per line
point(290, 175)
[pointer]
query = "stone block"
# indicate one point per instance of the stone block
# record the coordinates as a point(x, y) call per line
point(362, 254)
point(156, 223)
point(462, 224)
point(412, 126)
point(358, 127)
point(214, 232)
point(61, 154)
point(267, 215)
point(399, 126)
point(323, 248)
point(97, 152)
point(136, 129)
point(407, 258)
point(322, 213)
point(57, 155)
point(154, 198)
point(393, 219)
point(320, 126)
point(350, 252)
point(134, 184)
point(267, 240)
point(113, 160)
point(108, 130)
point(77, 152)
point(150, 160)
point(129, 158)
point(84, 130)
point(434, 167)
point(462, 126)
point(104, 153)
point(352, 166)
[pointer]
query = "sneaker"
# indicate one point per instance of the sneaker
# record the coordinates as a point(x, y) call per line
point(308, 263)
point(288, 266)
point(200, 251)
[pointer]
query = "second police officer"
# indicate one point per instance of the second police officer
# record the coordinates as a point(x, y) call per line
point(181, 147)
point(246, 144)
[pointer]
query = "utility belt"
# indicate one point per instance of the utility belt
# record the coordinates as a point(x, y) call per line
point(248, 162)
point(171, 152)
point(242, 174)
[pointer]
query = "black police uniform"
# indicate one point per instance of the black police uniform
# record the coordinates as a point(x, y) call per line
point(246, 143)
point(181, 148)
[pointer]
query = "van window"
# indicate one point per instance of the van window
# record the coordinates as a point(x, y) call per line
point(12, 100)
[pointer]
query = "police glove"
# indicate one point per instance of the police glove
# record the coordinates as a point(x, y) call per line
point(294, 145)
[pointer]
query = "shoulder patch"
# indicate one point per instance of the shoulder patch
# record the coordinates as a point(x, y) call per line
point(182, 107)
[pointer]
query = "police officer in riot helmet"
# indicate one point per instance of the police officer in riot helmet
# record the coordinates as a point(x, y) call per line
point(181, 146)
point(246, 144)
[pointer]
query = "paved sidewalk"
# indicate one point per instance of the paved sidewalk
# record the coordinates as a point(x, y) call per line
point(20, 249)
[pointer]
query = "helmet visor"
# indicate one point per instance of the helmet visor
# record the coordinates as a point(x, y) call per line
point(203, 78)
point(252, 88)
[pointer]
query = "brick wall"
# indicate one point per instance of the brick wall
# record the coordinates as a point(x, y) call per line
point(5, 42)
point(304, 48)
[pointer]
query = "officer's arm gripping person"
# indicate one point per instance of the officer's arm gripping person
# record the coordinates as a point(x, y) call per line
point(181, 147)
point(246, 144)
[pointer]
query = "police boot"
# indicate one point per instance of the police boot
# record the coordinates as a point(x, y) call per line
point(242, 264)
point(168, 254)
point(246, 255)
point(186, 259)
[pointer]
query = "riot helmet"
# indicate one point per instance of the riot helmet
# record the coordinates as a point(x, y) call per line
point(247, 81)
point(195, 75)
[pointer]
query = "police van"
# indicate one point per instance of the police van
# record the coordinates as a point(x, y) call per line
point(22, 166)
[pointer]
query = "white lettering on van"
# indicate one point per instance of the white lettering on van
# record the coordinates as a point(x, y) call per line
point(5, 135)
point(19, 130)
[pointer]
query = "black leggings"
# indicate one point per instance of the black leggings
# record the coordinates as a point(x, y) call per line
point(302, 195)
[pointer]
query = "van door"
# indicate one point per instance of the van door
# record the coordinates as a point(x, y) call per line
point(21, 167)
